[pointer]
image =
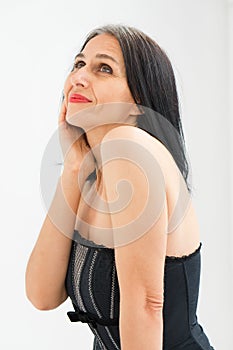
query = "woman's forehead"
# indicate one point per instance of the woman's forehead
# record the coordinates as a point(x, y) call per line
point(104, 44)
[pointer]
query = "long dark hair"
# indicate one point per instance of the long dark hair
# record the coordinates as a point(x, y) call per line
point(152, 83)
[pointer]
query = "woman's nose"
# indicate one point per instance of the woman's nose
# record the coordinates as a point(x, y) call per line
point(80, 77)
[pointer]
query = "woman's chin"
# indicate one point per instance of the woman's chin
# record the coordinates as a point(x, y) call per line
point(76, 115)
point(86, 121)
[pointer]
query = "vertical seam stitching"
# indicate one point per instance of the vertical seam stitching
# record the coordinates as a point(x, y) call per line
point(76, 282)
point(112, 293)
point(90, 284)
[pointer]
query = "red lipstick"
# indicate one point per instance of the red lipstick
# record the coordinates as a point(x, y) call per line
point(77, 98)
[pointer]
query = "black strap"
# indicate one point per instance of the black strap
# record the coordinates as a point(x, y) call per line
point(87, 317)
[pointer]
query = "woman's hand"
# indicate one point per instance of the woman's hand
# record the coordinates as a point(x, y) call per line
point(74, 146)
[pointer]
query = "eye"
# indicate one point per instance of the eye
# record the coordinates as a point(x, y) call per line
point(77, 64)
point(107, 68)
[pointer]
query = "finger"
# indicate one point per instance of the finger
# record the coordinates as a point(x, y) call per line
point(62, 115)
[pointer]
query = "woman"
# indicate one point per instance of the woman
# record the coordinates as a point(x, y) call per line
point(136, 286)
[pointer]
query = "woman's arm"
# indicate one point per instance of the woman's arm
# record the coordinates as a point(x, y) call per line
point(47, 265)
point(139, 223)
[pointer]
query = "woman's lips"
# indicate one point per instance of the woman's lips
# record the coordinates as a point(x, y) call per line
point(76, 98)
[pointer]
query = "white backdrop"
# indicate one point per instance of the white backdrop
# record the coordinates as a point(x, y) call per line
point(38, 42)
point(230, 98)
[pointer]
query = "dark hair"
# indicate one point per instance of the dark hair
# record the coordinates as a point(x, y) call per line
point(152, 83)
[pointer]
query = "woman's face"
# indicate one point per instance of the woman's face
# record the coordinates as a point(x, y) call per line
point(98, 75)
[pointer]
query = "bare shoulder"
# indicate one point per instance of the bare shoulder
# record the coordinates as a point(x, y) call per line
point(145, 140)
point(129, 132)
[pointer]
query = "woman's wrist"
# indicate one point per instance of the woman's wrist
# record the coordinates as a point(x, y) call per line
point(70, 169)
point(69, 176)
point(72, 177)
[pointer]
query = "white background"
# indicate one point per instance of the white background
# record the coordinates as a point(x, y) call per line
point(39, 40)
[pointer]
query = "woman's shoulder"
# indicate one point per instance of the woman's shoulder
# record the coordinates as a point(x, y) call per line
point(143, 139)
point(128, 132)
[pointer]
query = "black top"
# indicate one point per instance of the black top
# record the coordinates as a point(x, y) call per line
point(92, 286)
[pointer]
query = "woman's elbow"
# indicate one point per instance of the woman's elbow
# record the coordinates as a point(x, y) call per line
point(39, 305)
point(154, 304)
point(46, 302)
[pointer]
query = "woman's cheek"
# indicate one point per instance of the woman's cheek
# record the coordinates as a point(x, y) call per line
point(66, 90)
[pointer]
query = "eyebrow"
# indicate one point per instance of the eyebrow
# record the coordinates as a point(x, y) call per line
point(99, 55)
